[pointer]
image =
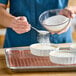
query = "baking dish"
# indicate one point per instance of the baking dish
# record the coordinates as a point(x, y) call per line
point(42, 49)
point(64, 57)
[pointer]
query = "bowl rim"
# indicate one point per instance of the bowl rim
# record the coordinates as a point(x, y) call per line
point(61, 52)
point(54, 46)
point(53, 11)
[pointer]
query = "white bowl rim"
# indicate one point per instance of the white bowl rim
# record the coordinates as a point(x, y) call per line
point(53, 46)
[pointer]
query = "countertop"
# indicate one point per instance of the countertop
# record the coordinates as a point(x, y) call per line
point(4, 71)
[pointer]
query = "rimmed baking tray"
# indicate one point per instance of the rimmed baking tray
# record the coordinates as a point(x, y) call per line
point(20, 59)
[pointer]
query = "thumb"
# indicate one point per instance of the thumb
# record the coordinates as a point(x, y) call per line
point(23, 18)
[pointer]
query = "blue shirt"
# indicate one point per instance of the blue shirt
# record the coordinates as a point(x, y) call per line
point(32, 9)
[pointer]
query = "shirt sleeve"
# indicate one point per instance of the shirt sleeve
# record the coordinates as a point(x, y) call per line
point(68, 36)
point(62, 3)
point(4, 1)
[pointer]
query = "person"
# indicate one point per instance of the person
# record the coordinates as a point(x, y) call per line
point(69, 12)
point(24, 13)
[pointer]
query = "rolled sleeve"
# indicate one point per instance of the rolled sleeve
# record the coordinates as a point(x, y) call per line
point(3, 1)
point(68, 36)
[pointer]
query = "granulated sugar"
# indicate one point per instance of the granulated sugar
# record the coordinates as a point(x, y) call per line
point(56, 23)
point(43, 32)
point(43, 38)
point(55, 20)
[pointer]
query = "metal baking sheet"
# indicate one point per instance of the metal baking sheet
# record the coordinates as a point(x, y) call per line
point(20, 59)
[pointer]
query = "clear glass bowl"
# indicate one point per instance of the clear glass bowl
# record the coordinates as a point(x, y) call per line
point(54, 27)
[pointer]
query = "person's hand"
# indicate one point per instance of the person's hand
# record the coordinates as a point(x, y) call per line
point(68, 12)
point(20, 25)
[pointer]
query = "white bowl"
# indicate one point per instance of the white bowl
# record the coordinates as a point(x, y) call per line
point(73, 46)
point(42, 49)
point(63, 57)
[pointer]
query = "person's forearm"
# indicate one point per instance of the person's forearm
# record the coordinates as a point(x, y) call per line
point(5, 17)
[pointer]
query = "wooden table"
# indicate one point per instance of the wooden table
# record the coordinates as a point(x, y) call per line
point(4, 71)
